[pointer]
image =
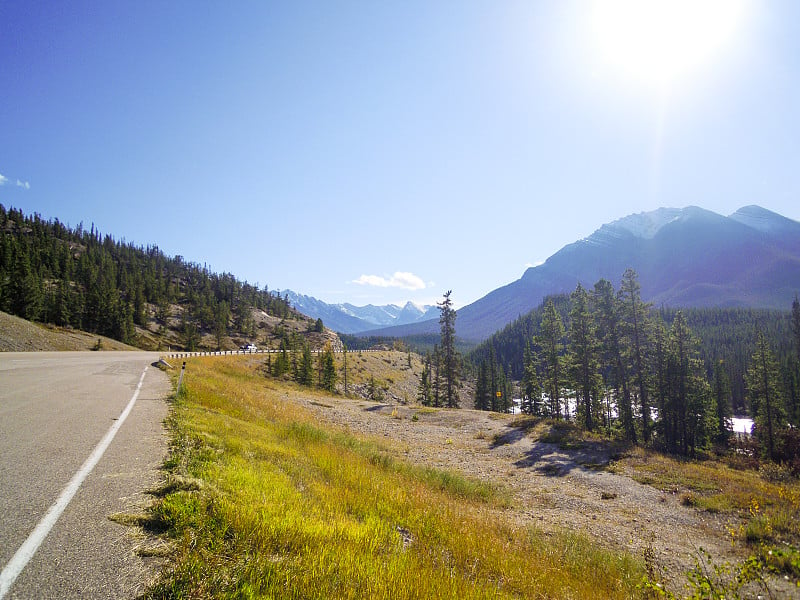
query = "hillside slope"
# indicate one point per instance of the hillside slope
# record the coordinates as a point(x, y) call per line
point(19, 335)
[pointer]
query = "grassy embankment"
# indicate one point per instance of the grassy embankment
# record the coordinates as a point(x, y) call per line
point(763, 506)
point(264, 502)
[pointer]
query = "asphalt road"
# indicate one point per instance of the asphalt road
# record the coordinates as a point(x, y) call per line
point(55, 408)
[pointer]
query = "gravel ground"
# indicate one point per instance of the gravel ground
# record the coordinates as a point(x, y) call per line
point(551, 488)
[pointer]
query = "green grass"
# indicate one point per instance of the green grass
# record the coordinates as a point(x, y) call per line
point(764, 514)
point(269, 504)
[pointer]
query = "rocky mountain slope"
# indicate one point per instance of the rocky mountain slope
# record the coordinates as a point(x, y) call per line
point(684, 257)
point(348, 318)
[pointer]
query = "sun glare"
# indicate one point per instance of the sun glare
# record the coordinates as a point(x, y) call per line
point(660, 41)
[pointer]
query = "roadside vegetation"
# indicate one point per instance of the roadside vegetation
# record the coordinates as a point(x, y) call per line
point(265, 502)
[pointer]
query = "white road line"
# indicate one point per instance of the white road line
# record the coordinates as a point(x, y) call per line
point(28, 549)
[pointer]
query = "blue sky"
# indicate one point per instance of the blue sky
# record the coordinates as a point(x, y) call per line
point(377, 152)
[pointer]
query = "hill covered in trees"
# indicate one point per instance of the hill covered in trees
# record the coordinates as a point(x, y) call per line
point(79, 279)
point(608, 359)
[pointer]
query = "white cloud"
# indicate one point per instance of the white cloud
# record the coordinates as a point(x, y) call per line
point(407, 281)
point(22, 184)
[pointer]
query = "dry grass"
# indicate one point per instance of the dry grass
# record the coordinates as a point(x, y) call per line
point(19, 335)
point(290, 509)
point(764, 515)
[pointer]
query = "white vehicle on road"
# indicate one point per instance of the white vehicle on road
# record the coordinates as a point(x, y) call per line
point(249, 348)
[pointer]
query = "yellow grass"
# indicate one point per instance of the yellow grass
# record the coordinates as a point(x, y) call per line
point(761, 511)
point(286, 508)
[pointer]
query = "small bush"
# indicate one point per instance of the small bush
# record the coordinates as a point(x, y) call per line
point(776, 473)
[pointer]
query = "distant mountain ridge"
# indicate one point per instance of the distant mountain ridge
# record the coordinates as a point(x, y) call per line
point(348, 318)
point(688, 257)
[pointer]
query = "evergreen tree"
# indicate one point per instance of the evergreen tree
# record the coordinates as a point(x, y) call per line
point(191, 336)
point(344, 367)
point(305, 370)
point(722, 395)
point(424, 391)
point(494, 381)
point(634, 314)
point(281, 365)
point(61, 313)
point(552, 342)
point(482, 391)
point(607, 318)
point(689, 421)
point(450, 360)
point(328, 370)
point(583, 363)
point(763, 386)
point(222, 315)
point(139, 306)
point(25, 292)
point(531, 389)
point(436, 380)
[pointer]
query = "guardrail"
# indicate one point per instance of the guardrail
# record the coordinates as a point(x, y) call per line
point(240, 352)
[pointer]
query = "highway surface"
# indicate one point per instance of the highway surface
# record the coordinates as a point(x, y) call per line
point(58, 412)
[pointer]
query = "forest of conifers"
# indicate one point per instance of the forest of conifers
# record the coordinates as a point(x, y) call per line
point(667, 375)
point(72, 277)
point(654, 374)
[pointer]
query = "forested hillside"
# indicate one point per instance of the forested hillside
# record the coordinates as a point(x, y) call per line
point(624, 364)
point(724, 334)
point(77, 278)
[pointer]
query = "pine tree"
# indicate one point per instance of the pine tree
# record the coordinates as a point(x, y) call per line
point(305, 369)
point(222, 315)
point(763, 386)
point(722, 395)
point(531, 389)
point(494, 381)
point(607, 317)
point(436, 379)
point(690, 416)
point(424, 390)
point(450, 359)
point(25, 292)
point(552, 343)
point(191, 336)
point(482, 399)
point(583, 363)
point(329, 376)
point(281, 365)
point(634, 314)
point(344, 367)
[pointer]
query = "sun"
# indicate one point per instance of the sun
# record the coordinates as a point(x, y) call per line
point(658, 42)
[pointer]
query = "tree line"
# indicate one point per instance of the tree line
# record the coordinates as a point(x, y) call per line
point(53, 273)
point(608, 360)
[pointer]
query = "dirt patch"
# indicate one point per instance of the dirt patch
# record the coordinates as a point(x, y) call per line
point(552, 485)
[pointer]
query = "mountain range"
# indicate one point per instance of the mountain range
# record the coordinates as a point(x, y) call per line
point(348, 318)
point(684, 257)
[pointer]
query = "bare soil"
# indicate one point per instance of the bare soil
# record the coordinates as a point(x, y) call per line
point(552, 488)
